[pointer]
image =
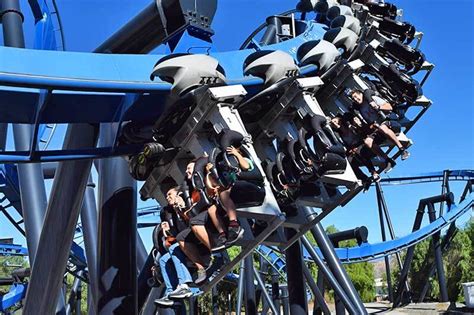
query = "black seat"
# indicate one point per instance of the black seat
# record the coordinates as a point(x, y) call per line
point(383, 10)
point(399, 83)
point(327, 154)
point(404, 31)
point(411, 59)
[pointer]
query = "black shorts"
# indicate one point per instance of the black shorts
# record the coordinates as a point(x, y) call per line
point(394, 125)
point(187, 235)
point(200, 219)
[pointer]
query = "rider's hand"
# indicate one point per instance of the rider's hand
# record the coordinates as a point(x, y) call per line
point(209, 167)
point(232, 150)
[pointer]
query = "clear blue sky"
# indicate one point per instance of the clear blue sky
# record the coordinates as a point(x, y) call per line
point(443, 139)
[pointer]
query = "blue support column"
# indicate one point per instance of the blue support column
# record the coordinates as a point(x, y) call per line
point(60, 223)
point(89, 227)
point(117, 262)
point(296, 283)
point(30, 176)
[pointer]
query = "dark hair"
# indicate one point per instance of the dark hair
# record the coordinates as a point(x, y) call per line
point(355, 91)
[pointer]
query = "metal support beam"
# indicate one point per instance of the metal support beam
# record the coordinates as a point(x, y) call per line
point(384, 238)
point(89, 229)
point(443, 290)
point(444, 246)
point(295, 278)
point(333, 282)
point(240, 288)
point(383, 203)
point(335, 265)
point(117, 262)
point(215, 302)
point(266, 296)
point(275, 287)
point(250, 301)
point(60, 223)
point(318, 295)
point(411, 250)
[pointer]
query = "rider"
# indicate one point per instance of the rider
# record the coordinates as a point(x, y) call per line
point(173, 263)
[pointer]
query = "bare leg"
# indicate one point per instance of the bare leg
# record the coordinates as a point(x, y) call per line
point(228, 204)
point(391, 136)
point(375, 148)
point(201, 234)
point(191, 251)
point(215, 219)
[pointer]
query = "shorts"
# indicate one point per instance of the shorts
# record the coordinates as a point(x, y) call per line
point(394, 125)
point(187, 235)
point(200, 219)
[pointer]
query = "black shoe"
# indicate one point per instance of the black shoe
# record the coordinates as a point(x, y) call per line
point(165, 301)
point(220, 243)
point(201, 276)
point(389, 165)
point(234, 234)
point(181, 292)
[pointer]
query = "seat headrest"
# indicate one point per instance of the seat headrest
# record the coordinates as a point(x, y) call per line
point(320, 53)
point(229, 138)
point(271, 66)
point(188, 71)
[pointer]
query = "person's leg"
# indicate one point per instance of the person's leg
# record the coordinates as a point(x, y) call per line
point(215, 218)
point(179, 261)
point(201, 233)
point(192, 252)
point(228, 204)
point(168, 273)
point(391, 136)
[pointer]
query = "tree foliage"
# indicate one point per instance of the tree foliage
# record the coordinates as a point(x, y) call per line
point(458, 262)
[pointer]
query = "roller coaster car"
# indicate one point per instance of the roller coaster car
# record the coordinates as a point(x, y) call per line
point(225, 162)
point(383, 10)
point(342, 38)
point(403, 31)
point(300, 160)
point(327, 154)
point(412, 59)
point(346, 21)
point(190, 75)
point(284, 193)
point(253, 109)
point(278, 70)
point(320, 53)
point(399, 83)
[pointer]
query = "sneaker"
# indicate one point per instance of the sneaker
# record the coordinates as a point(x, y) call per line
point(181, 292)
point(405, 155)
point(235, 234)
point(165, 301)
point(376, 178)
point(201, 276)
point(389, 165)
point(220, 243)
